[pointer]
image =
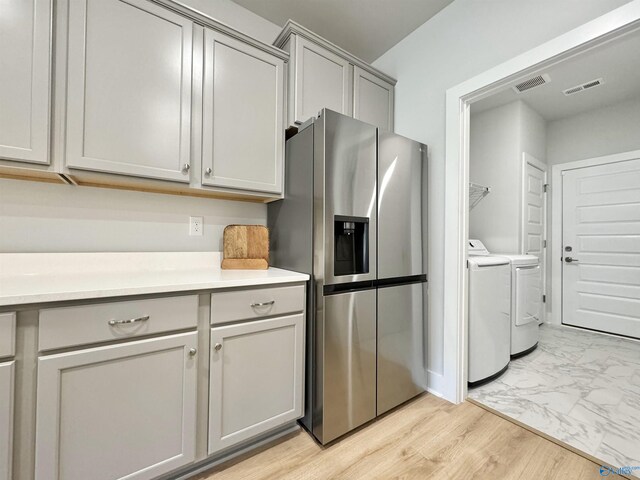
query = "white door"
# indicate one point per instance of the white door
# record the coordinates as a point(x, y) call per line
point(322, 79)
point(372, 99)
point(6, 418)
point(534, 214)
point(129, 89)
point(256, 378)
point(25, 29)
point(601, 248)
point(126, 410)
point(243, 124)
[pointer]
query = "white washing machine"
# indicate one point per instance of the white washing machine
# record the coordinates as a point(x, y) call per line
point(489, 315)
point(526, 302)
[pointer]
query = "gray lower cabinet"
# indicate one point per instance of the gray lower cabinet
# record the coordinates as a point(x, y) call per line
point(117, 411)
point(129, 89)
point(25, 29)
point(243, 116)
point(372, 99)
point(6, 418)
point(256, 378)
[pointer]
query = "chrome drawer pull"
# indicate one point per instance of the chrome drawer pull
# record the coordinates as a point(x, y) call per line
point(126, 322)
point(263, 304)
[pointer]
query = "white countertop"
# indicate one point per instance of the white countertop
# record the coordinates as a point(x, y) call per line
point(28, 278)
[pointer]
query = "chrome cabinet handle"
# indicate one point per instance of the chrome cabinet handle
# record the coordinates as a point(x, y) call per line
point(186, 167)
point(193, 352)
point(263, 304)
point(208, 171)
point(217, 347)
point(127, 322)
point(570, 260)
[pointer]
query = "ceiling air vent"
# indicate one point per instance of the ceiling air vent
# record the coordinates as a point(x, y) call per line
point(584, 86)
point(531, 83)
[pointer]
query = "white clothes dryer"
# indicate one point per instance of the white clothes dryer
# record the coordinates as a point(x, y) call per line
point(526, 302)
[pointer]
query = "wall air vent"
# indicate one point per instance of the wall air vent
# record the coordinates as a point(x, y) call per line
point(585, 86)
point(531, 83)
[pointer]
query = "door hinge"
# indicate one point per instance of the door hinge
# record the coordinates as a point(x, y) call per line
point(546, 187)
point(544, 299)
point(544, 244)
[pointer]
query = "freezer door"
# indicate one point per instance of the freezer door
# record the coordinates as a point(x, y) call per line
point(348, 366)
point(348, 161)
point(401, 183)
point(401, 372)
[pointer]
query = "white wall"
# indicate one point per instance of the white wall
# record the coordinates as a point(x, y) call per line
point(43, 217)
point(39, 217)
point(463, 40)
point(604, 131)
point(493, 162)
point(498, 139)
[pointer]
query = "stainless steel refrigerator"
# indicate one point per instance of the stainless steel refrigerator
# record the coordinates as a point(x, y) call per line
point(352, 219)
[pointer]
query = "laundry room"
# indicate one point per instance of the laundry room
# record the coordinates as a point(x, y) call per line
point(554, 232)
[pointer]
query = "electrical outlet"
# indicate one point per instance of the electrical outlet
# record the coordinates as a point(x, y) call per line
point(196, 225)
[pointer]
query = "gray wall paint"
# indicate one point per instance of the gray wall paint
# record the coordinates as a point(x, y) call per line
point(39, 217)
point(604, 131)
point(42, 217)
point(463, 40)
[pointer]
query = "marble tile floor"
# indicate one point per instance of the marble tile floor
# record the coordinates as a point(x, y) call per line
point(580, 387)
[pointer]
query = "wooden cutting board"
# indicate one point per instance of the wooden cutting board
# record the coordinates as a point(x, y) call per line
point(246, 247)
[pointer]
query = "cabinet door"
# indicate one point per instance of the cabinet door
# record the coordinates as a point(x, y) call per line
point(6, 418)
point(256, 378)
point(129, 89)
point(25, 31)
point(243, 124)
point(372, 99)
point(322, 80)
point(125, 410)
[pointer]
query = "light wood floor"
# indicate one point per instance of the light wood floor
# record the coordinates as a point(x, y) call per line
point(427, 438)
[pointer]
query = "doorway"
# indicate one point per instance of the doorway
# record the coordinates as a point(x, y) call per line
point(578, 386)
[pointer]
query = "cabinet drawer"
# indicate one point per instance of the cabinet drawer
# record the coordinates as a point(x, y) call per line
point(255, 303)
point(70, 326)
point(7, 334)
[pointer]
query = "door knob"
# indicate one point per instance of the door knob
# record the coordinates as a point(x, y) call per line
point(193, 352)
point(186, 168)
point(208, 171)
point(217, 347)
point(570, 260)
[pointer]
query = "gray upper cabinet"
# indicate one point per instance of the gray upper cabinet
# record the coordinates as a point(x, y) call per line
point(129, 89)
point(372, 99)
point(243, 116)
point(323, 75)
point(321, 79)
point(25, 31)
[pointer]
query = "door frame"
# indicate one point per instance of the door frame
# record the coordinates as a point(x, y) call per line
point(527, 158)
point(612, 25)
point(557, 171)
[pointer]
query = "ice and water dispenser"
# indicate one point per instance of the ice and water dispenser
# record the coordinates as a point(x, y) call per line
point(351, 245)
